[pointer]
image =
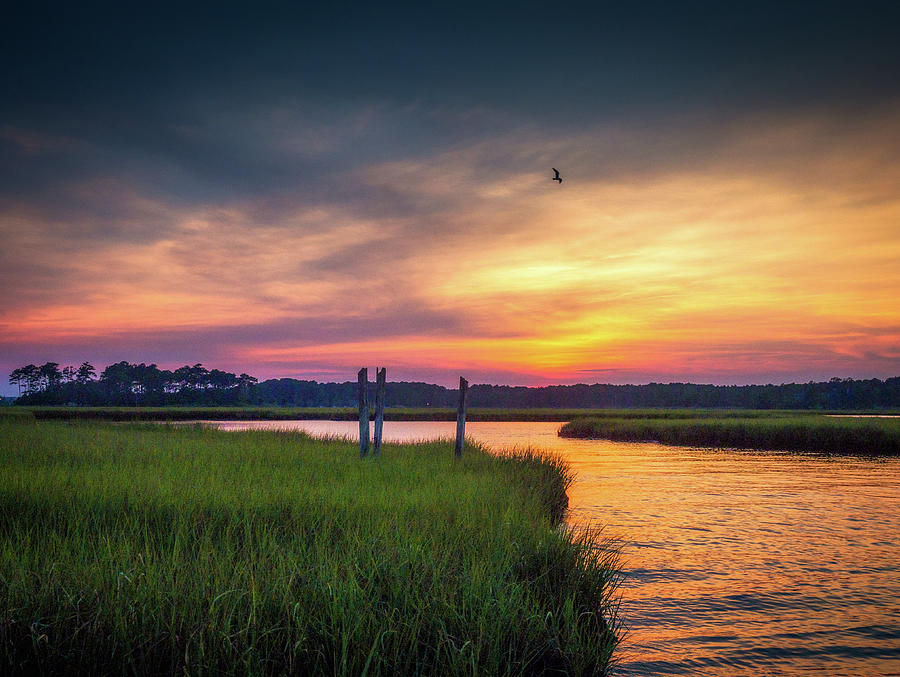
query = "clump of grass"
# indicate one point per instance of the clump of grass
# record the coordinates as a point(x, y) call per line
point(813, 433)
point(177, 549)
point(16, 413)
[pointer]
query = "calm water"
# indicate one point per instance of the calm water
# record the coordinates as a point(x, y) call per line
point(738, 563)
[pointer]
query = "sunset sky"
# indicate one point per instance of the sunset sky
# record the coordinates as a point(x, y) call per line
point(301, 192)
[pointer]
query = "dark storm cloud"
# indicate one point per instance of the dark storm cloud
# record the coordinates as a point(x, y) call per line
point(194, 105)
point(486, 51)
point(559, 61)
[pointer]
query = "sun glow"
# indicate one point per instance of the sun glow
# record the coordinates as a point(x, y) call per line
point(720, 269)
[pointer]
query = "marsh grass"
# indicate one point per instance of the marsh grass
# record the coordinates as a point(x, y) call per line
point(149, 549)
point(788, 432)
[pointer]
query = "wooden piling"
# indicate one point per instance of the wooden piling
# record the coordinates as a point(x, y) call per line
point(380, 382)
point(461, 417)
point(363, 391)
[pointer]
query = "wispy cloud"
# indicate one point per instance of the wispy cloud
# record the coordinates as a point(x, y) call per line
point(760, 246)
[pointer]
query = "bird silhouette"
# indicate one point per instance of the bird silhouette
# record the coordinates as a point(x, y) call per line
point(557, 177)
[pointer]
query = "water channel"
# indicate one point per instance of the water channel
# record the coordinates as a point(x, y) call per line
point(736, 562)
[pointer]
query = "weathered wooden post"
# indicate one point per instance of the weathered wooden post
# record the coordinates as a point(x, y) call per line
point(461, 417)
point(380, 380)
point(363, 378)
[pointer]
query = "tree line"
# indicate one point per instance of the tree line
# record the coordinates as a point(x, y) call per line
point(126, 384)
point(834, 394)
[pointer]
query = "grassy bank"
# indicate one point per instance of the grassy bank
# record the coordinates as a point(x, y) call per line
point(810, 432)
point(162, 550)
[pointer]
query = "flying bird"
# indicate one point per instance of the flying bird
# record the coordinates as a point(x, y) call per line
point(557, 177)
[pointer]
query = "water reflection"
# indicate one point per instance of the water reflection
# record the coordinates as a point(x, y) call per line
point(739, 563)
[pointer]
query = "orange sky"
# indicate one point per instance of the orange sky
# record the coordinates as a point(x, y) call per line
point(771, 254)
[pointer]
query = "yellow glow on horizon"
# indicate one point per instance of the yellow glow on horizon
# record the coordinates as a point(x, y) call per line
point(715, 268)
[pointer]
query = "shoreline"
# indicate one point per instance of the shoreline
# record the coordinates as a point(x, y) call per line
point(844, 435)
point(148, 550)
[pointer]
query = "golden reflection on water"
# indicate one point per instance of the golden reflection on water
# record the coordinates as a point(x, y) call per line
point(736, 562)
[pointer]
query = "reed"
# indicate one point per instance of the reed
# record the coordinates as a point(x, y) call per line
point(802, 433)
point(158, 550)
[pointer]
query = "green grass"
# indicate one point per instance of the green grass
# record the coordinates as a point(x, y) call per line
point(789, 432)
point(16, 413)
point(150, 549)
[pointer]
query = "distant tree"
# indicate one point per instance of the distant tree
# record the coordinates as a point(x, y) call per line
point(85, 373)
point(195, 377)
point(17, 378)
point(181, 378)
point(146, 384)
point(117, 380)
point(50, 375)
point(167, 379)
point(199, 376)
point(31, 376)
point(141, 379)
point(246, 384)
point(222, 380)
